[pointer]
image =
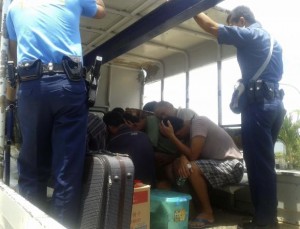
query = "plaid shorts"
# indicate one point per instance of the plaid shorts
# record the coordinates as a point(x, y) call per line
point(220, 173)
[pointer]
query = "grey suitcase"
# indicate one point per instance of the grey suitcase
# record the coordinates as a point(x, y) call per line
point(107, 191)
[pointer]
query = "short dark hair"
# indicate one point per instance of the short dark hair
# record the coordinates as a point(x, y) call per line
point(129, 117)
point(118, 109)
point(177, 123)
point(113, 118)
point(164, 104)
point(241, 11)
point(150, 106)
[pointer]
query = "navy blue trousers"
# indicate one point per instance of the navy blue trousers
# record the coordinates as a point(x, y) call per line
point(52, 112)
point(261, 123)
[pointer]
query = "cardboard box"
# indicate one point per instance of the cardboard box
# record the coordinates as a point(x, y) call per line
point(140, 216)
point(169, 210)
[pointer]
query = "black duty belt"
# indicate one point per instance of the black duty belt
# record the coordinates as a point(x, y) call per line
point(34, 70)
point(260, 90)
point(51, 69)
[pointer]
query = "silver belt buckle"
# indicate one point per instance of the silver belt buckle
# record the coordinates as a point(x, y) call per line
point(50, 68)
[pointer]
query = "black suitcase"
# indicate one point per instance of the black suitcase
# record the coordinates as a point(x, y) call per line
point(107, 191)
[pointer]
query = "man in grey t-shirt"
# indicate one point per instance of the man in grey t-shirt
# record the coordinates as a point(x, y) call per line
point(210, 158)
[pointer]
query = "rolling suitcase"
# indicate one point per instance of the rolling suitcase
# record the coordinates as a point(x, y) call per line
point(107, 191)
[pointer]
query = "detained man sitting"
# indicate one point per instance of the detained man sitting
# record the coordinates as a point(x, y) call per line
point(209, 157)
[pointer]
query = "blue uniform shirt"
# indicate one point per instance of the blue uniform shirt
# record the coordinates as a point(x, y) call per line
point(253, 45)
point(53, 33)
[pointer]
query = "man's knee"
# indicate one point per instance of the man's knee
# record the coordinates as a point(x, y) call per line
point(196, 171)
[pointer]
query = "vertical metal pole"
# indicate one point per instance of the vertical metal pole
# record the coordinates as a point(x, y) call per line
point(187, 89)
point(187, 82)
point(162, 81)
point(3, 61)
point(219, 65)
point(162, 88)
point(142, 88)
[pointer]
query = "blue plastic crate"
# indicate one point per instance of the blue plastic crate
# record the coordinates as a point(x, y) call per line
point(169, 210)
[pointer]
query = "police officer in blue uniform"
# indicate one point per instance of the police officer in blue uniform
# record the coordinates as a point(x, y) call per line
point(264, 113)
point(51, 100)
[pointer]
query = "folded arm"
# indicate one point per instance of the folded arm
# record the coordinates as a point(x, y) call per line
point(191, 152)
